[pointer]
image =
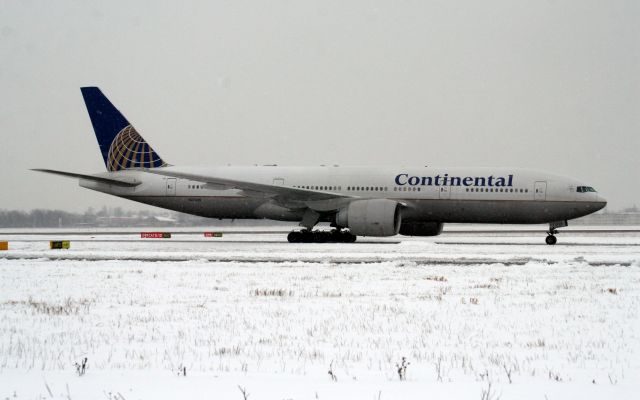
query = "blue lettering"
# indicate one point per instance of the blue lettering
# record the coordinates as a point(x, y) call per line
point(398, 179)
point(445, 179)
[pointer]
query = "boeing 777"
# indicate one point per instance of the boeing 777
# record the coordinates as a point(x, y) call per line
point(356, 201)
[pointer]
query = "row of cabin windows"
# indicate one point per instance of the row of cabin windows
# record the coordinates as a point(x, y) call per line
point(349, 188)
point(492, 190)
point(318, 187)
point(407, 189)
point(368, 188)
point(384, 189)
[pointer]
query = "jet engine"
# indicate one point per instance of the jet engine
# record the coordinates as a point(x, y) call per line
point(421, 228)
point(376, 217)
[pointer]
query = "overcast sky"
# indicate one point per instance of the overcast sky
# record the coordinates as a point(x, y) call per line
point(553, 85)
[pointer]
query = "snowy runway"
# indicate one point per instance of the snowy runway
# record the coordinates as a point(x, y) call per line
point(466, 310)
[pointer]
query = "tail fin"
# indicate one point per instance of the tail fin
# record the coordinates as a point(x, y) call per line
point(120, 144)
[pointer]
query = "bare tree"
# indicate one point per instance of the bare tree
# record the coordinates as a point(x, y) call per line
point(331, 373)
point(245, 395)
point(402, 369)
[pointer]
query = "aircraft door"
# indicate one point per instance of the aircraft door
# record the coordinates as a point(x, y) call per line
point(171, 186)
point(445, 192)
point(540, 191)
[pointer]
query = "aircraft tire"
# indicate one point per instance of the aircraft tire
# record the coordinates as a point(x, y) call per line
point(551, 240)
point(294, 237)
point(348, 237)
point(307, 237)
point(321, 237)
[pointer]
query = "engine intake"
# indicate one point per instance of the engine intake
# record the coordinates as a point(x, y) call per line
point(376, 217)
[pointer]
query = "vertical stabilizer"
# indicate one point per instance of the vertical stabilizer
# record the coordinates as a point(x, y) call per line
point(121, 145)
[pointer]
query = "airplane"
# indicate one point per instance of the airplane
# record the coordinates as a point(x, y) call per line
point(356, 201)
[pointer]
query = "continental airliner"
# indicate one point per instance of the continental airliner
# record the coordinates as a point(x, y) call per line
point(356, 201)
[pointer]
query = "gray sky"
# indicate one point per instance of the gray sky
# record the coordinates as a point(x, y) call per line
point(553, 85)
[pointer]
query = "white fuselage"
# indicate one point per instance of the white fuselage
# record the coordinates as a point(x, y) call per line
point(487, 195)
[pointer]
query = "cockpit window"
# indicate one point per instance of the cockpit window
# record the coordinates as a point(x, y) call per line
point(585, 189)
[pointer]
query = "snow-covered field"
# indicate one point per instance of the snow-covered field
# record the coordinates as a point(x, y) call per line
point(469, 311)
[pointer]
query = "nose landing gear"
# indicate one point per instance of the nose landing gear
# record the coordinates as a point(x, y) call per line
point(552, 232)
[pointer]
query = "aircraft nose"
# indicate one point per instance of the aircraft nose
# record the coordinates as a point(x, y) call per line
point(601, 202)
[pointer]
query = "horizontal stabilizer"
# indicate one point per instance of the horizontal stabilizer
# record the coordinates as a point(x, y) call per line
point(108, 181)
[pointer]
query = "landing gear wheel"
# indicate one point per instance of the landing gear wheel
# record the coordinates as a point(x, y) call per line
point(321, 236)
point(349, 238)
point(551, 240)
point(307, 237)
point(294, 237)
point(335, 236)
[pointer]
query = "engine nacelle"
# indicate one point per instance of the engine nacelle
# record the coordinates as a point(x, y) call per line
point(376, 217)
point(421, 228)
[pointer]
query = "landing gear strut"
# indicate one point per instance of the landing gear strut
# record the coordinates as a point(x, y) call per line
point(552, 232)
point(333, 236)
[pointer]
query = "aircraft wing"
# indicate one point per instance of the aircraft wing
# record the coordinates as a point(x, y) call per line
point(109, 181)
point(283, 194)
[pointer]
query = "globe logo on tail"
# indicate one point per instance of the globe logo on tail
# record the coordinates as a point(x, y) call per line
point(129, 150)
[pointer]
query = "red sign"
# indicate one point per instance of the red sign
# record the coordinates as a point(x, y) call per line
point(155, 235)
point(213, 234)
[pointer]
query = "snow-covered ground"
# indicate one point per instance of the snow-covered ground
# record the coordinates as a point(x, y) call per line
point(468, 311)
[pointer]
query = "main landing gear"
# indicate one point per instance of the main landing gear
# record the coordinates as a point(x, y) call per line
point(333, 236)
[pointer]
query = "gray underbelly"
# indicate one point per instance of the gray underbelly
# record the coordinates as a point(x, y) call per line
point(503, 212)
